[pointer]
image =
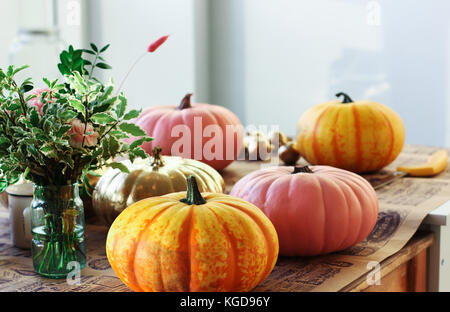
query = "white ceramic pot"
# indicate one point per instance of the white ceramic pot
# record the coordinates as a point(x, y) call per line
point(19, 199)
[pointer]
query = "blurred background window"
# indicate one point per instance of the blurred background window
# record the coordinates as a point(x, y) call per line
point(267, 60)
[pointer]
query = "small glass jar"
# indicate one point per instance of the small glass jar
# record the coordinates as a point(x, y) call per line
point(57, 227)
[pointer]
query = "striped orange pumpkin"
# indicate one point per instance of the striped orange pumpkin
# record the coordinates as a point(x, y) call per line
point(360, 136)
point(189, 241)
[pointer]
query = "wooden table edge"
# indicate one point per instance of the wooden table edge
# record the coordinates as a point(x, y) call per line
point(419, 243)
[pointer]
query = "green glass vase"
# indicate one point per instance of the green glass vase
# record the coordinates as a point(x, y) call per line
point(58, 243)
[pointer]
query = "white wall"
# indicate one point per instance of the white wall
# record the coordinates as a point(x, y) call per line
point(228, 64)
point(8, 26)
point(16, 14)
point(297, 53)
point(163, 77)
point(270, 60)
point(202, 53)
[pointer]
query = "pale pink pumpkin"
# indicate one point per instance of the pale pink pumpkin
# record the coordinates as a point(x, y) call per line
point(202, 126)
point(315, 210)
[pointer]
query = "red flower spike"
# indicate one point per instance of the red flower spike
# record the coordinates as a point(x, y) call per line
point(155, 45)
point(151, 48)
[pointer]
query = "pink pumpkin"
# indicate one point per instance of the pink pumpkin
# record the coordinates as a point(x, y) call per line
point(196, 131)
point(315, 210)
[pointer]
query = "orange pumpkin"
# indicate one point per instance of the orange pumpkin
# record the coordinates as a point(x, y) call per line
point(189, 241)
point(360, 136)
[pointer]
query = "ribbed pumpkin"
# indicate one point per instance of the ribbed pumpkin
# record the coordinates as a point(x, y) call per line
point(189, 241)
point(315, 210)
point(158, 176)
point(360, 136)
point(205, 124)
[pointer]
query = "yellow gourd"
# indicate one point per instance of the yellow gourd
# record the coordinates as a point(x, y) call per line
point(434, 165)
point(359, 136)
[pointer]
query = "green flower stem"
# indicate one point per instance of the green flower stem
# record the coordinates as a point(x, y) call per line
point(60, 240)
point(93, 66)
point(43, 260)
point(21, 99)
point(9, 117)
point(130, 70)
point(86, 112)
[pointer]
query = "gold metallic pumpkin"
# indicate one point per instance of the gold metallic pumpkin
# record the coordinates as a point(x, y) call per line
point(158, 176)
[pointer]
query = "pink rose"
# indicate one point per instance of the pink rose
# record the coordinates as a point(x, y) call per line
point(77, 132)
point(36, 102)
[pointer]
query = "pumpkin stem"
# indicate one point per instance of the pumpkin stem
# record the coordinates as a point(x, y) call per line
point(185, 102)
point(347, 99)
point(157, 160)
point(193, 195)
point(304, 169)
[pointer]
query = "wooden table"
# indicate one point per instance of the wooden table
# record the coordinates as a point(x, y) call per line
point(405, 270)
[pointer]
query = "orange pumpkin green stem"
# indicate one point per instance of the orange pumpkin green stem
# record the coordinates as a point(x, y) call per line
point(193, 195)
point(156, 155)
point(347, 99)
point(185, 102)
point(304, 169)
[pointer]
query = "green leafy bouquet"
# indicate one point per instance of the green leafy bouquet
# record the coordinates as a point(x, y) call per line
point(56, 135)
